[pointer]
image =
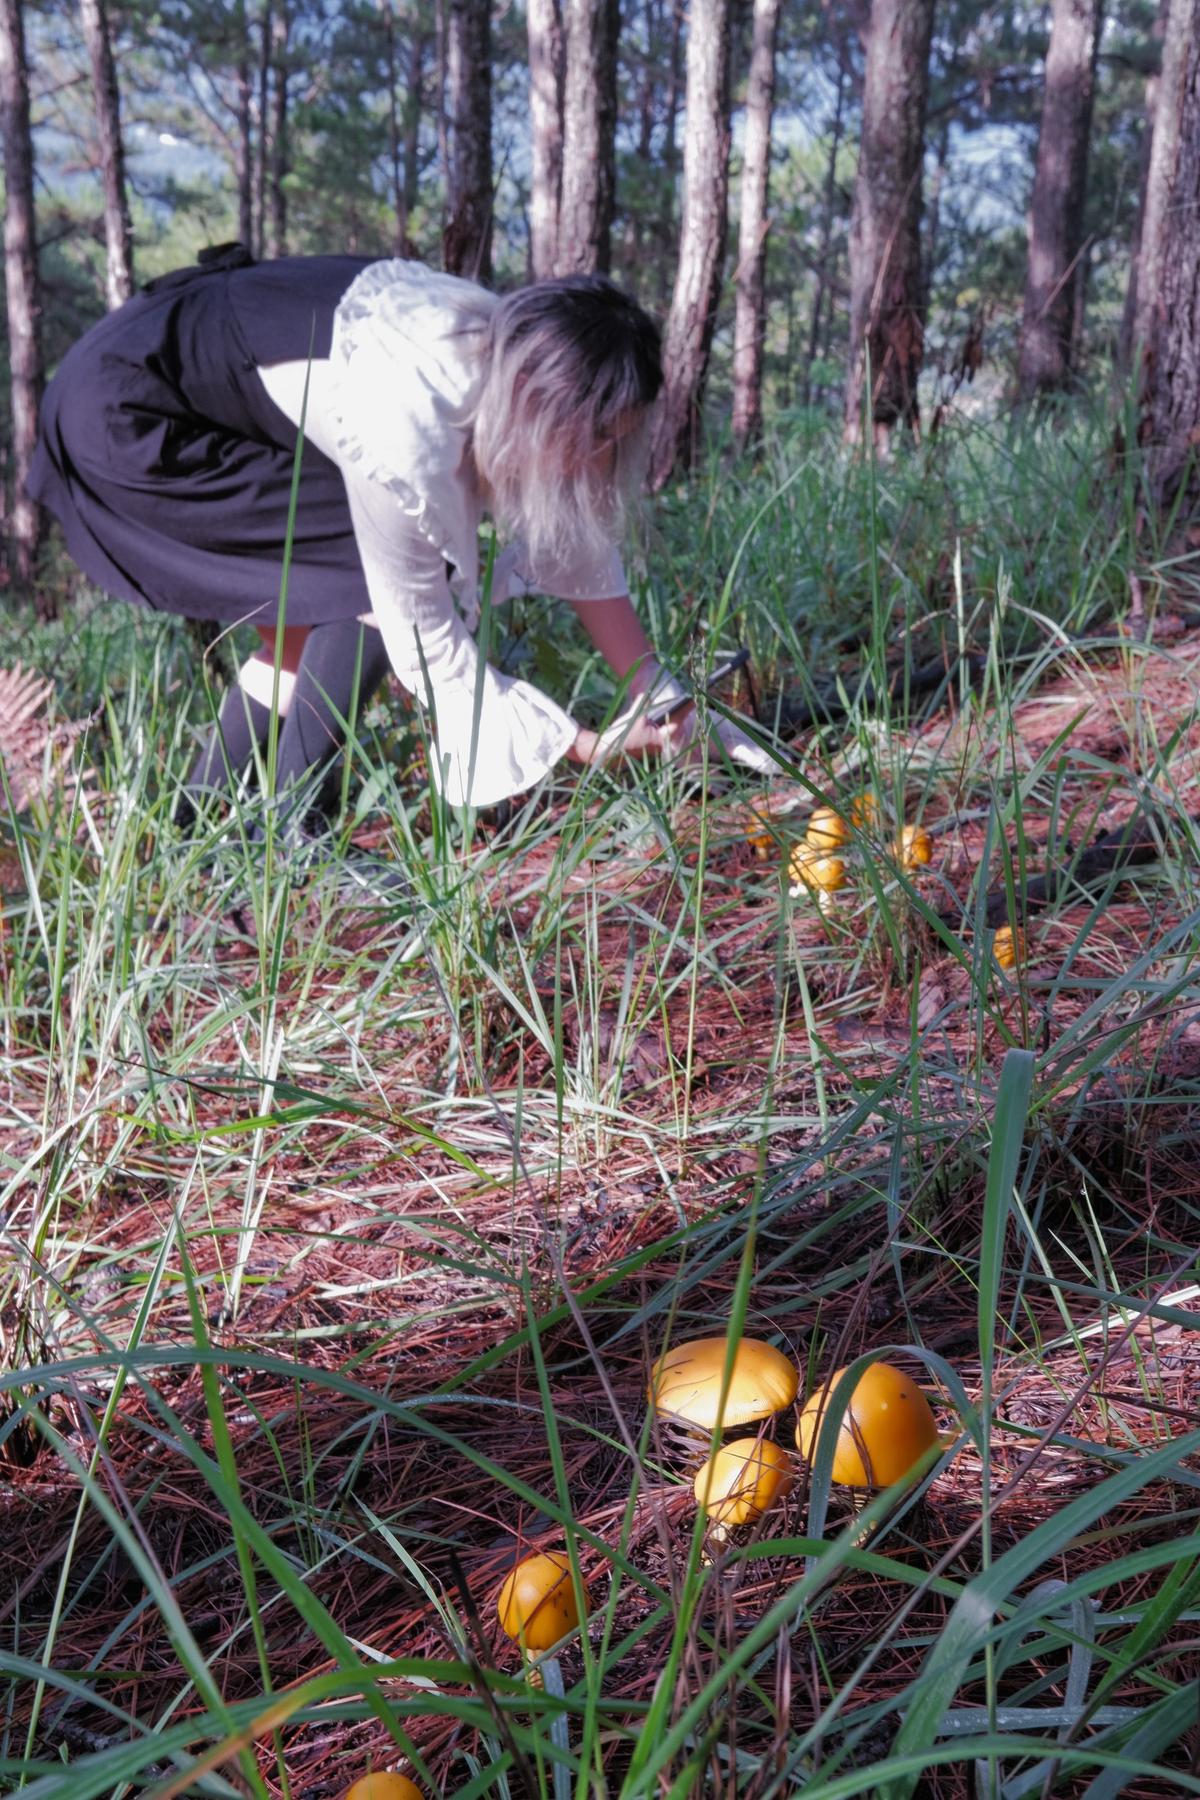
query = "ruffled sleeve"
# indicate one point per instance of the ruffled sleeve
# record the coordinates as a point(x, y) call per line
point(494, 736)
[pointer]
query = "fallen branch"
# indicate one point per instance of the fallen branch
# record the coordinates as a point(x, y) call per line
point(1139, 840)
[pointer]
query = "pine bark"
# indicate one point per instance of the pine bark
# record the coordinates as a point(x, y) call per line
point(395, 156)
point(546, 76)
point(413, 102)
point(1148, 273)
point(692, 318)
point(467, 239)
point(750, 319)
point(118, 229)
point(1174, 362)
point(280, 33)
point(21, 284)
point(590, 30)
point(1047, 348)
point(244, 141)
point(887, 329)
point(824, 269)
point(264, 113)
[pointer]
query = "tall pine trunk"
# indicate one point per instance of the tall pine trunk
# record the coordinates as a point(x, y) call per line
point(750, 320)
point(670, 153)
point(693, 312)
point(414, 100)
point(118, 231)
point(264, 129)
point(824, 271)
point(244, 143)
point(395, 155)
point(21, 285)
point(467, 239)
point(887, 329)
point(1160, 173)
point(1047, 348)
point(1174, 362)
point(585, 213)
point(544, 25)
point(280, 32)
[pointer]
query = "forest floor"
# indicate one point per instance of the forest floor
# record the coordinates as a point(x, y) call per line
point(339, 1253)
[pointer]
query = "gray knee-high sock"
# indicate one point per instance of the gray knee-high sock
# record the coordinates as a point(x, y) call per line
point(241, 725)
point(325, 695)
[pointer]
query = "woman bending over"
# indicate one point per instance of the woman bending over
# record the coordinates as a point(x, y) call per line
point(167, 449)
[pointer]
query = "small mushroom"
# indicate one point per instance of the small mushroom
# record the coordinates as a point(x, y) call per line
point(827, 830)
point(740, 1482)
point(813, 869)
point(1008, 946)
point(886, 1429)
point(536, 1604)
point(758, 820)
point(685, 1382)
point(864, 812)
point(386, 1785)
point(914, 847)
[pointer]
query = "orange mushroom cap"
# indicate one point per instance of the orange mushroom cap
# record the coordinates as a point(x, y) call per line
point(886, 1429)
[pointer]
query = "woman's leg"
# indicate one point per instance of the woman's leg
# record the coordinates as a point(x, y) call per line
point(244, 720)
point(341, 666)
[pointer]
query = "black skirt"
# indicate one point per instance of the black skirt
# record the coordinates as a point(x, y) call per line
point(169, 466)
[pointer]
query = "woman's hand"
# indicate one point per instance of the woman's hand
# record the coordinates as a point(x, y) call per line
point(633, 737)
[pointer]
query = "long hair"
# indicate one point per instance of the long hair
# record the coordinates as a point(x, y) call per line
point(561, 432)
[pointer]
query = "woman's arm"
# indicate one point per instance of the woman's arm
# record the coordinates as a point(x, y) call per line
point(618, 635)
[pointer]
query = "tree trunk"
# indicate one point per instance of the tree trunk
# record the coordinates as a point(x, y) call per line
point(279, 128)
point(545, 29)
point(824, 279)
point(1174, 372)
point(21, 287)
point(399, 199)
point(886, 321)
point(750, 321)
point(693, 313)
point(589, 131)
point(244, 145)
point(1059, 188)
point(413, 102)
point(264, 113)
point(467, 239)
point(118, 231)
point(670, 155)
point(1160, 174)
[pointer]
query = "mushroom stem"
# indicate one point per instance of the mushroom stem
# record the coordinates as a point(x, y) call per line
point(549, 1676)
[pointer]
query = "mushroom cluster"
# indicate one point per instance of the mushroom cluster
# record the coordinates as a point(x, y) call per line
point(708, 1385)
point(818, 864)
point(739, 1481)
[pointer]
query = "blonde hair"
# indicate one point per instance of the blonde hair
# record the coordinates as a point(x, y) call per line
point(561, 431)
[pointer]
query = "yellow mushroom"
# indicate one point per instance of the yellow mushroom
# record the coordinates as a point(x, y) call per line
point(914, 847)
point(827, 830)
point(387, 1785)
point(537, 1600)
point(813, 869)
point(759, 817)
point(864, 812)
point(886, 1429)
point(740, 1482)
point(685, 1382)
point(1008, 946)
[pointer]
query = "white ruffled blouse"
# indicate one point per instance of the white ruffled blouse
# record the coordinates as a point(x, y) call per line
point(392, 406)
